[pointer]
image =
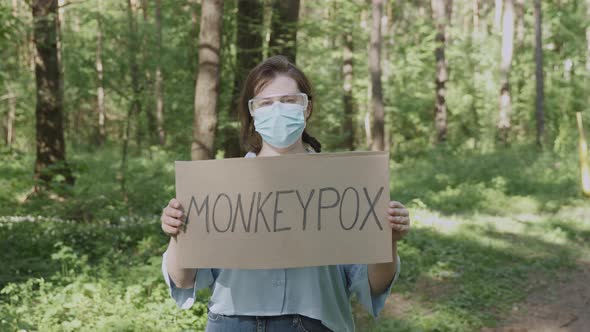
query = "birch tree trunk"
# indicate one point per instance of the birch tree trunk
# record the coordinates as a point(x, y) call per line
point(147, 81)
point(476, 13)
point(12, 98)
point(135, 106)
point(159, 82)
point(347, 96)
point(588, 37)
point(540, 83)
point(497, 14)
point(441, 12)
point(377, 108)
point(583, 153)
point(505, 110)
point(99, 77)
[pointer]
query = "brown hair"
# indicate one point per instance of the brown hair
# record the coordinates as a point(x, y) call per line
point(257, 79)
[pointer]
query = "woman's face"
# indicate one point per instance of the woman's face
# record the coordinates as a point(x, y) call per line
point(281, 85)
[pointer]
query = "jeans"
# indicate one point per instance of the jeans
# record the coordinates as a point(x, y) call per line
point(283, 323)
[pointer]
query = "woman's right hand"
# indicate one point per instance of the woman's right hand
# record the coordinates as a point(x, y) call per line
point(172, 216)
point(172, 220)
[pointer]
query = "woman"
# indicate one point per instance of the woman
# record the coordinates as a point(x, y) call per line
point(275, 104)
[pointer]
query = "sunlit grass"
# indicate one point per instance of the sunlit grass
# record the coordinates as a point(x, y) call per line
point(461, 273)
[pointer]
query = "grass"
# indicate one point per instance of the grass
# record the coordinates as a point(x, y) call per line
point(464, 273)
point(487, 230)
point(516, 180)
point(68, 276)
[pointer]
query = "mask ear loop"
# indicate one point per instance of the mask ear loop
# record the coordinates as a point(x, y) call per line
point(307, 109)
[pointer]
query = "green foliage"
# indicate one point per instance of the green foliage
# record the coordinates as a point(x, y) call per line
point(66, 276)
point(513, 218)
point(408, 63)
point(97, 194)
point(503, 182)
point(91, 261)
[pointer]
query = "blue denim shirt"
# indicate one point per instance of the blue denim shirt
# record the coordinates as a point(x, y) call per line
point(320, 292)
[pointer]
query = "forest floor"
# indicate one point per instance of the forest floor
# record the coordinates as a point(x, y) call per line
point(561, 305)
point(551, 299)
point(558, 305)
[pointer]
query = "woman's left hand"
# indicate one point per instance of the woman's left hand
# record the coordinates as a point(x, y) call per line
point(399, 220)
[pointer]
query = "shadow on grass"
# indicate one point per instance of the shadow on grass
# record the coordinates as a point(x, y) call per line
point(59, 276)
point(514, 180)
point(466, 281)
point(572, 230)
point(33, 249)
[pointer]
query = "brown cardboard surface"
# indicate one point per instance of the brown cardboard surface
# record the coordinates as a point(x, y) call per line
point(235, 221)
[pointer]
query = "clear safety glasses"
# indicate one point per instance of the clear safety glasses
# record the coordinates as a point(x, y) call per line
point(296, 99)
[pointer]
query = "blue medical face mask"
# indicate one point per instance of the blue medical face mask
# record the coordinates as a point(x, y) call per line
point(280, 124)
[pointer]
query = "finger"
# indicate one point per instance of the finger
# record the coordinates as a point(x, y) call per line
point(400, 224)
point(172, 212)
point(400, 228)
point(398, 212)
point(395, 204)
point(399, 219)
point(402, 221)
point(169, 230)
point(174, 203)
point(167, 220)
point(404, 229)
point(171, 221)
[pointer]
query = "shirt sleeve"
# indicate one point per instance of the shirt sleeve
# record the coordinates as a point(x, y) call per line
point(357, 276)
point(185, 297)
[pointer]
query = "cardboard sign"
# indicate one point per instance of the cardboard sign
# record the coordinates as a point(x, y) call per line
point(287, 211)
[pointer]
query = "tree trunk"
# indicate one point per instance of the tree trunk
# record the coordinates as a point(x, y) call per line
point(583, 153)
point(283, 36)
point(207, 87)
point(9, 121)
point(194, 38)
point(540, 93)
point(387, 45)
point(347, 96)
point(11, 113)
point(519, 8)
point(135, 106)
point(51, 150)
point(588, 37)
point(158, 85)
point(99, 77)
point(497, 14)
point(248, 55)
point(133, 47)
point(61, 20)
point(505, 110)
point(368, 112)
point(441, 16)
point(150, 113)
point(30, 50)
point(377, 108)
point(476, 10)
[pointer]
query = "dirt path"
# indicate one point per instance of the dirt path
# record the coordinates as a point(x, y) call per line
point(562, 305)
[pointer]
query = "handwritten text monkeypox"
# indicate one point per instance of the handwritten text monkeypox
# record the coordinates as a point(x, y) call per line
point(262, 212)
